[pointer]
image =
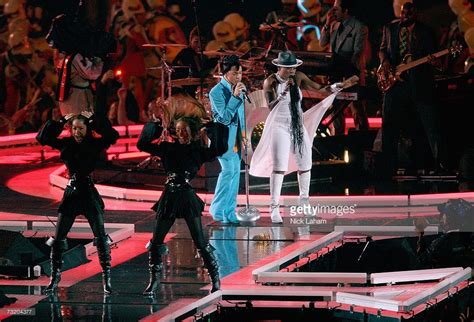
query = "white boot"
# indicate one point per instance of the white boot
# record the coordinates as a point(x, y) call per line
point(276, 181)
point(275, 214)
point(304, 180)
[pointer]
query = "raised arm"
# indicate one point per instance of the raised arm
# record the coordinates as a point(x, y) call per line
point(218, 135)
point(102, 125)
point(224, 112)
point(306, 82)
point(151, 131)
point(325, 38)
point(270, 94)
point(325, 35)
point(49, 133)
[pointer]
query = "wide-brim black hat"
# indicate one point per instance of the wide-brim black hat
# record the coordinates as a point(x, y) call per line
point(70, 35)
point(287, 59)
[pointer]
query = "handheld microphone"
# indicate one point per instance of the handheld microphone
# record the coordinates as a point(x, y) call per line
point(244, 93)
point(293, 78)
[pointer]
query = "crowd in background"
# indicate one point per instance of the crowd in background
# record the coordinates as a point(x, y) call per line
point(127, 89)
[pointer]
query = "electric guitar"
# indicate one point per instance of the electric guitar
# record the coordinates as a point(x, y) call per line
point(386, 77)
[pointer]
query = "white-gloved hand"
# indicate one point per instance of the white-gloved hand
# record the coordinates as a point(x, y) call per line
point(336, 87)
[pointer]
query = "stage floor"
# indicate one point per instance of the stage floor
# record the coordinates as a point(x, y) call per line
point(27, 195)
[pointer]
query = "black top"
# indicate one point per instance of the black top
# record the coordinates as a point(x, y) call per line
point(80, 158)
point(176, 157)
point(423, 42)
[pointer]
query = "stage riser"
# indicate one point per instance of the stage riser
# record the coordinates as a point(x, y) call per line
point(24, 253)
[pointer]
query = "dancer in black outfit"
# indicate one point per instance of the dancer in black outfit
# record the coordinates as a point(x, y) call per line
point(79, 152)
point(181, 158)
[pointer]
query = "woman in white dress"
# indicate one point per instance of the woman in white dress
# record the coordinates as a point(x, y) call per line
point(289, 137)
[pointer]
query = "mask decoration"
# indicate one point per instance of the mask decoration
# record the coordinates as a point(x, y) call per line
point(239, 24)
point(223, 32)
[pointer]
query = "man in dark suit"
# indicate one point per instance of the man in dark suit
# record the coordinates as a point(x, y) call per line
point(403, 37)
point(348, 38)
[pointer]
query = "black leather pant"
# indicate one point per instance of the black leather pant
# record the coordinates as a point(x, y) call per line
point(400, 106)
point(59, 246)
point(205, 250)
point(65, 222)
point(163, 226)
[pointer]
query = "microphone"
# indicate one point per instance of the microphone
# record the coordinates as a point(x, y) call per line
point(244, 93)
point(293, 78)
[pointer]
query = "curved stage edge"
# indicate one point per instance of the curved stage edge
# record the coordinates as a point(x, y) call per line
point(261, 281)
point(141, 199)
point(366, 207)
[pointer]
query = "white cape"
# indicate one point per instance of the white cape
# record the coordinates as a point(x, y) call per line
point(261, 164)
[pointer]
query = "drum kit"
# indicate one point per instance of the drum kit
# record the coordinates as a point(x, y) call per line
point(169, 105)
point(279, 37)
point(254, 71)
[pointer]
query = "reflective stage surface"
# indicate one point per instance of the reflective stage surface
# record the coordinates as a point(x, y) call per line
point(27, 197)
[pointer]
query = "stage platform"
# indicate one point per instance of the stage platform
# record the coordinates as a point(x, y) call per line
point(261, 265)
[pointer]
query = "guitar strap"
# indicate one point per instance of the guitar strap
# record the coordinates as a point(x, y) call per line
point(64, 83)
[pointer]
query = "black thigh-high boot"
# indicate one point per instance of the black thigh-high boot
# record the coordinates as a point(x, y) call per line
point(103, 250)
point(155, 266)
point(57, 249)
point(210, 262)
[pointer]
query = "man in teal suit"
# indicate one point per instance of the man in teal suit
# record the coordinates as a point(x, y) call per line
point(228, 108)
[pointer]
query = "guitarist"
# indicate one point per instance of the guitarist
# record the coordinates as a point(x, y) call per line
point(403, 37)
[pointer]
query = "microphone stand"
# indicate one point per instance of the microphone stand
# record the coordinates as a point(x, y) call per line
point(247, 214)
point(201, 51)
point(367, 242)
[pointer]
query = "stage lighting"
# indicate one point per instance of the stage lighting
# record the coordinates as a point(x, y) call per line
point(346, 156)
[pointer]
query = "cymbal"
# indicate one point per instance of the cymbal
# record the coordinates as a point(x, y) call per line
point(221, 52)
point(164, 45)
point(191, 81)
point(280, 25)
point(172, 67)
